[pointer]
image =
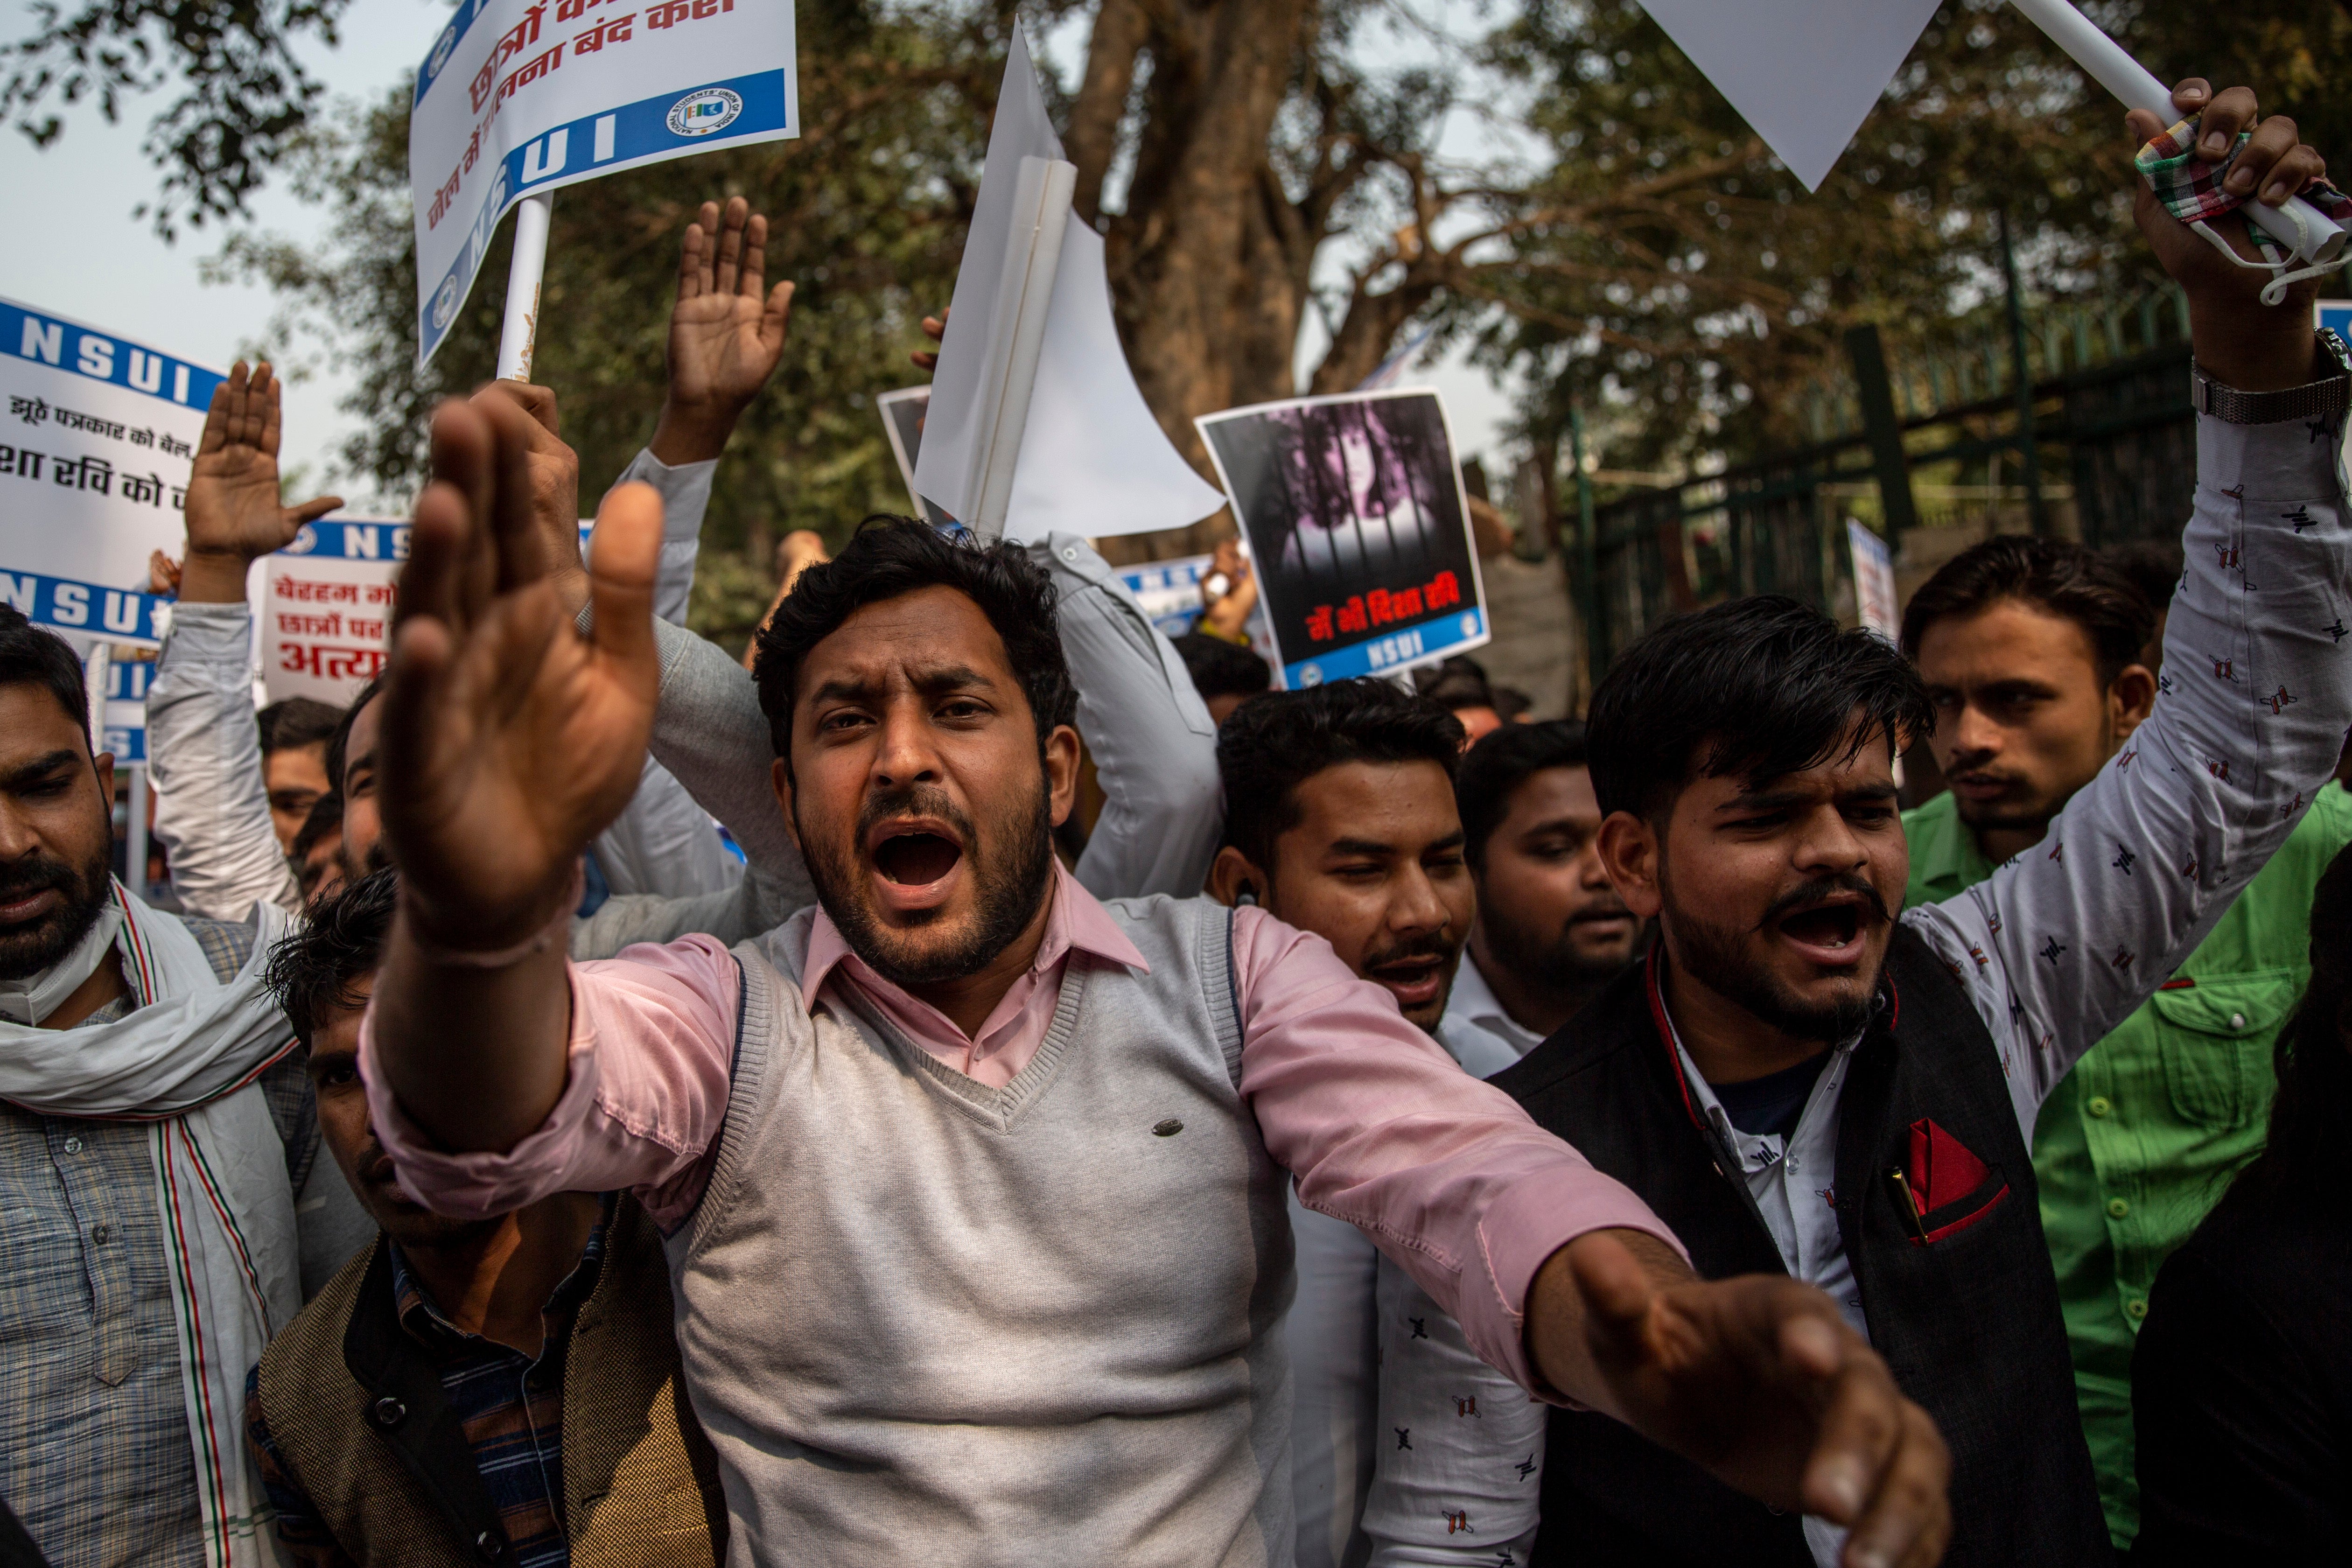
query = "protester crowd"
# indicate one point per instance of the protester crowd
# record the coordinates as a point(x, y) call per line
point(1390, 1130)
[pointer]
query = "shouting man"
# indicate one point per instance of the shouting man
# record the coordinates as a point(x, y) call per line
point(1799, 1081)
point(974, 1184)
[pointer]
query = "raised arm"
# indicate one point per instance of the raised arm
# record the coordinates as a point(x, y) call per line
point(1153, 742)
point(211, 808)
point(509, 740)
point(2063, 942)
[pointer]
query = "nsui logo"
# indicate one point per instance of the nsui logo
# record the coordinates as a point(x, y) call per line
point(441, 52)
point(445, 302)
point(700, 113)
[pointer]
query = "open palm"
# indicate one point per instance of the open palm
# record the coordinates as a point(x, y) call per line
point(510, 739)
point(232, 506)
point(727, 332)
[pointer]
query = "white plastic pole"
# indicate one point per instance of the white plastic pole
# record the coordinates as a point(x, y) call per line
point(519, 332)
point(93, 691)
point(1042, 211)
point(2308, 233)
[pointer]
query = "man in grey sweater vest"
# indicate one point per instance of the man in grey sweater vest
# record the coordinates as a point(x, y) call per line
point(974, 1184)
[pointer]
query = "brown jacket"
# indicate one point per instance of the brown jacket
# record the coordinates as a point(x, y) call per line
point(355, 1409)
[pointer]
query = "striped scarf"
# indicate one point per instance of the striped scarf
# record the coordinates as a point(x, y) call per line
point(186, 1060)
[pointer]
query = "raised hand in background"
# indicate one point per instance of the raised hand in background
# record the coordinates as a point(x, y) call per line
point(726, 331)
point(234, 514)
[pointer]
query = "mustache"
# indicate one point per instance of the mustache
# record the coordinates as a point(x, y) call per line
point(1412, 947)
point(915, 800)
point(1820, 888)
point(35, 873)
point(1606, 907)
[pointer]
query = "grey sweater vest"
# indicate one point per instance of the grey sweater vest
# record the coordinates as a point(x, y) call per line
point(924, 1321)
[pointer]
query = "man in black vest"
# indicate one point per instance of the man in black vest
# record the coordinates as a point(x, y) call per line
point(1798, 1082)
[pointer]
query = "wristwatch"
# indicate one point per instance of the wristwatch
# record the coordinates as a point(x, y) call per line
point(2322, 399)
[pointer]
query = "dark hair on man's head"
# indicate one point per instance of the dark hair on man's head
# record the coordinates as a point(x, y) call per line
point(2069, 581)
point(338, 744)
point(890, 557)
point(1756, 690)
point(1499, 764)
point(31, 656)
point(1273, 744)
point(325, 818)
point(2154, 567)
point(297, 721)
point(317, 969)
point(1459, 681)
point(1221, 668)
point(2305, 1153)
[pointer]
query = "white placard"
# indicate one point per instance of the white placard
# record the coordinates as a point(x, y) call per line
point(517, 98)
point(325, 626)
point(1094, 460)
point(94, 450)
point(1873, 581)
point(1804, 73)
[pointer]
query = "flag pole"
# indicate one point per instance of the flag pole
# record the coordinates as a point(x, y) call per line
point(519, 332)
point(2310, 235)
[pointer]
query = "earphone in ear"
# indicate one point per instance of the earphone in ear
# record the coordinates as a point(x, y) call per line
point(1248, 894)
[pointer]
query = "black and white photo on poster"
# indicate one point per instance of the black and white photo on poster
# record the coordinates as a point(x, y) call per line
point(902, 416)
point(1356, 521)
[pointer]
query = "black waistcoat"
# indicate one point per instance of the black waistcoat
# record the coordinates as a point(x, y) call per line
point(1967, 1319)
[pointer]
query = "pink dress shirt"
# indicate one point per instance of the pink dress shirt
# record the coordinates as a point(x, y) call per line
point(1375, 1122)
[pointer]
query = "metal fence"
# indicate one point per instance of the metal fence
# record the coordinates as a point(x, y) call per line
point(2103, 448)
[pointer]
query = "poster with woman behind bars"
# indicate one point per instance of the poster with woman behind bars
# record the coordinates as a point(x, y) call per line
point(1356, 521)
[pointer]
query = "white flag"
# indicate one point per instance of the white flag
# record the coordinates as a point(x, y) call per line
point(1804, 73)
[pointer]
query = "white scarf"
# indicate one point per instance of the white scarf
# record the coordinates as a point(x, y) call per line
point(186, 1061)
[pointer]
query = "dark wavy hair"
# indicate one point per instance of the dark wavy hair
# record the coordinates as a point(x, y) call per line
point(31, 656)
point(2304, 1155)
point(2070, 580)
point(1501, 762)
point(317, 969)
point(890, 557)
point(1757, 688)
point(1274, 743)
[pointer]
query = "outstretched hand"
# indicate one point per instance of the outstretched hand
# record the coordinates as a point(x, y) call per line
point(509, 740)
point(234, 514)
point(726, 331)
point(1757, 1379)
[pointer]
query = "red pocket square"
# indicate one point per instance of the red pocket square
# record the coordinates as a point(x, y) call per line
point(1942, 1169)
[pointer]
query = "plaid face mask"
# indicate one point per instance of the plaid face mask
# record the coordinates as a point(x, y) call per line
point(2190, 190)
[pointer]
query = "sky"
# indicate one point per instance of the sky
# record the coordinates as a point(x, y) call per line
point(104, 267)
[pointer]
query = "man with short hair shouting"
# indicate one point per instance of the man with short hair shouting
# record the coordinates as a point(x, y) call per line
point(974, 1183)
point(1799, 1082)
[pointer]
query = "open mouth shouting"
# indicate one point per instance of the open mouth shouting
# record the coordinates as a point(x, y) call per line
point(1827, 928)
point(1416, 976)
point(917, 861)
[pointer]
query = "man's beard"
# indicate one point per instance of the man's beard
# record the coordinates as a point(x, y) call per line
point(1446, 950)
point(1559, 963)
point(1718, 957)
point(1011, 865)
point(359, 868)
point(28, 949)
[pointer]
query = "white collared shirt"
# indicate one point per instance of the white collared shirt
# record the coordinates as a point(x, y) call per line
point(1477, 1028)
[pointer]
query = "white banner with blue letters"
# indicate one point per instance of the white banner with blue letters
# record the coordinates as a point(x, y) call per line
point(95, 447)
point(518, 98)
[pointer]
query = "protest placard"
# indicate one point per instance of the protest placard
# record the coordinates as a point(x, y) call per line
point(1873, 581)
point(1359, 530)
point(1092, 458)
point(85, 610)
point(95, 449)
point(519, 97)
point(125, 720)
point(1168, 593)
point(322, 619)
point(902, 419)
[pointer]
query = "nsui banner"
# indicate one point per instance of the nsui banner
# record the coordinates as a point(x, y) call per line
point(517, 98)
point(323, 622)
point(95, 447)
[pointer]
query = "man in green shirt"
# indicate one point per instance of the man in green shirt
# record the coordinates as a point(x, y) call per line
point(2034, 654)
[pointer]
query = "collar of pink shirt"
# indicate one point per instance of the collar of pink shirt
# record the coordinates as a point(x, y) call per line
point(1014, 1030)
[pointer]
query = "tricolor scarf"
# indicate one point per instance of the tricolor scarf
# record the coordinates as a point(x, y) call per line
point(186, 1062)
